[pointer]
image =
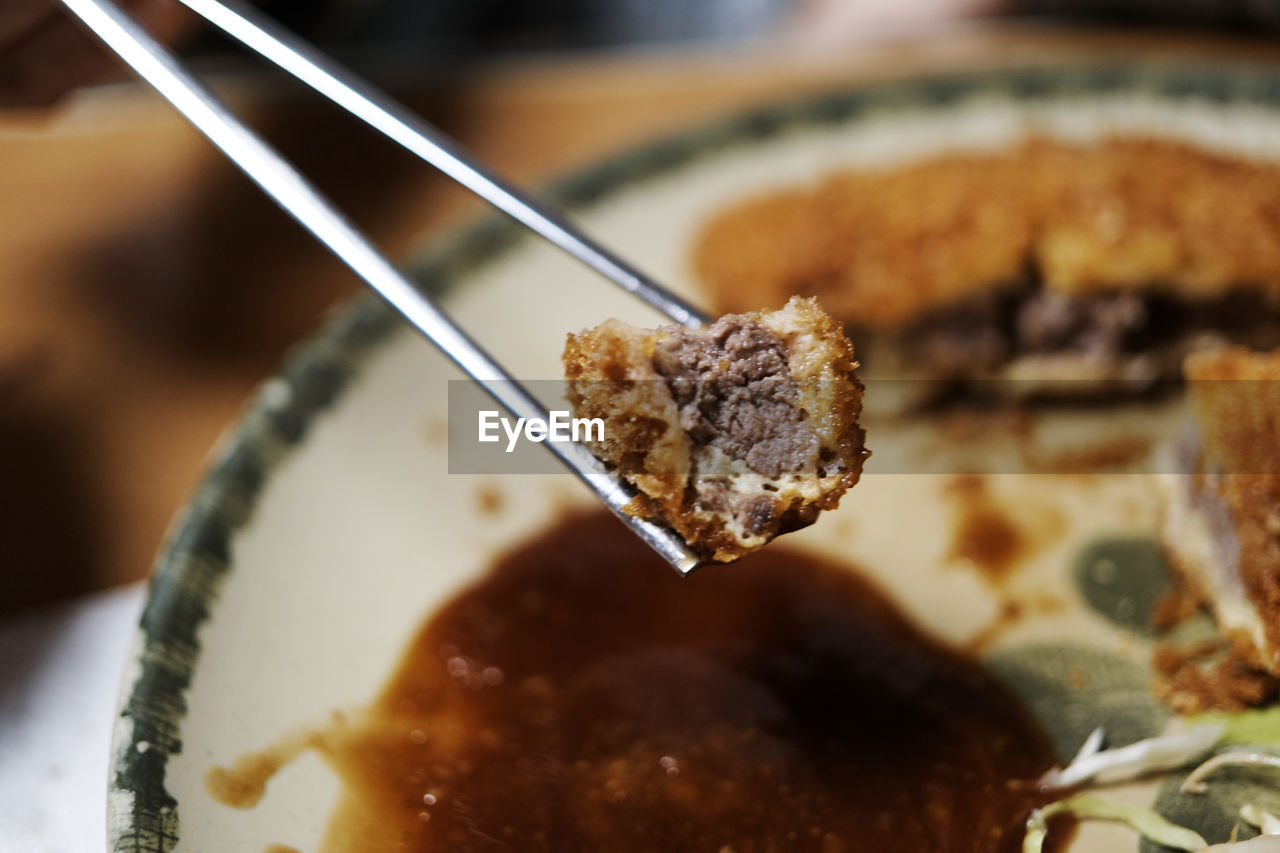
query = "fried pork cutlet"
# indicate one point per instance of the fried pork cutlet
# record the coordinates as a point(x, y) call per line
point(1222, 527)
point(732, 434)
point(1105, 262)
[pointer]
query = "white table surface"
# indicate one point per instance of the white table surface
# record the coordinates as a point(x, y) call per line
point(60, 671)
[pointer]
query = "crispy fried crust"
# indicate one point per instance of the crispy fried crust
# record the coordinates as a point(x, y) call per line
point(1236, 395)
point(882, 248)
point(1236, 398)
point(720, 505)
point(1211, 676)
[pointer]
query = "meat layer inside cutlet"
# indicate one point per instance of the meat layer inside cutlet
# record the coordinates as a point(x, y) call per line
point(736, 393)
point(1037, 335)
point(732, 434)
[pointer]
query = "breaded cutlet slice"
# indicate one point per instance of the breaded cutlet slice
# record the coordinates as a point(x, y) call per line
point(732, 434)
point(1222, 526)
point(1102, 263)
point(884, 246)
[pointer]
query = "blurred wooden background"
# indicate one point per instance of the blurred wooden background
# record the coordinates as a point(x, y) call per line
point(146, 288)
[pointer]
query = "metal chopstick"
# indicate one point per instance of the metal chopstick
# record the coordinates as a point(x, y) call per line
point(277, 177)
point(339, 85)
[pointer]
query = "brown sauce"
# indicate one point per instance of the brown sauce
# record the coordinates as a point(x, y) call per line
point(986, 536)
point(490, 500)
point(987, 539)
point(994, 537)
point(1011, 613)
point(582, 696)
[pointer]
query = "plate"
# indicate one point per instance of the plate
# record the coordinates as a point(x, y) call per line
point(329, 527)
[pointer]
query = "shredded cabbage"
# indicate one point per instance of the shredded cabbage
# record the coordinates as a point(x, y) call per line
point(1163, 753)
point(1092, 744)
point(1148, 822)
point(1126, 762)
point(1268, 823)
point(1194, 783)
point(1257, 726)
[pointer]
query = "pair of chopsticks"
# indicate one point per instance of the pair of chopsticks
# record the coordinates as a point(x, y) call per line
point(283, 183)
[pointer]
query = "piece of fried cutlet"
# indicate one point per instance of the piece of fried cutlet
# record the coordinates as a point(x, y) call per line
point(1066, 268)
point(732, 434)
point(1222, 525)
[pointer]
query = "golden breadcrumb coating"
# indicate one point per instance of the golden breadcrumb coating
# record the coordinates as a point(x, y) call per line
point(732, 434)
point(1235, 395)
point(883, 247)
point(1236, 398)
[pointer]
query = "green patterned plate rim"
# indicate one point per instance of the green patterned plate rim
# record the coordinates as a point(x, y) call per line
point(142, 816)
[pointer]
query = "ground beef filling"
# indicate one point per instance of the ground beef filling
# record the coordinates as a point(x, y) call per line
point(735, 392)
point(988, 332)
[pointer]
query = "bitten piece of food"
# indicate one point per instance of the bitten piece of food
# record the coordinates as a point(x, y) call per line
point(1222, 526)
point(732, 434)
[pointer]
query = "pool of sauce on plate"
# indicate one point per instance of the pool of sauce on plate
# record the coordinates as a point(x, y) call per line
point(582, 696)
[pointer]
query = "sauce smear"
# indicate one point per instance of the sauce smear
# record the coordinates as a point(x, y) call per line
point(582, 696)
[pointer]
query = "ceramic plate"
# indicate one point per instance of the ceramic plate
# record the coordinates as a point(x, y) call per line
point(329, 526)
